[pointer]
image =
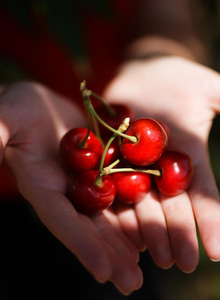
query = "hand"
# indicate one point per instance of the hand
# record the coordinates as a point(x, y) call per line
point(32, 122)
point(186, 96)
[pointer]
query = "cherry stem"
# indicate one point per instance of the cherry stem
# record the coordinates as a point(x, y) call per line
point(111, 111)
point(83, 142)
point(98, 181)
point(109, 170)
point(88, 105)
point(133, 139)
point(96, 129)
point(113, 164)
point(123, 127)
point(105, 151)
point(99, 178)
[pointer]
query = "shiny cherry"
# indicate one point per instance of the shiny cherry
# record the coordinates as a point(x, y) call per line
point(131, 187)
point(88, 197)
point(113, 152)
point(76, 156)
point(151, 142)
point(115, 116)
point(165, 127)
point(176, 172)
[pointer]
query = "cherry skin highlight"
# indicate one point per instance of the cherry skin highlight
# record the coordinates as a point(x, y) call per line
point(176, 172)
point(113, 152)
point(76, 157)
point(131, 187)
point(151, 142)
point(89, 198)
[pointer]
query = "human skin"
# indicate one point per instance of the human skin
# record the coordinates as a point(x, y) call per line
point(186, 96)
point(32, 121)
point(175, 90)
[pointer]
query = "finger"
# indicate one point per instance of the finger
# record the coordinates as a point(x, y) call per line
point(1, 150)
point(182, 231)
point(126, 274)
point(11, 113)
point(79, 234)
point(205, 201)
point(43, 184)
point(60, 217)
point(4, 132)
point(109, 229)
point(130, 225)
point(153, 225)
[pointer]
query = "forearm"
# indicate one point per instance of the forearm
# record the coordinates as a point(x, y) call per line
point(166, 27)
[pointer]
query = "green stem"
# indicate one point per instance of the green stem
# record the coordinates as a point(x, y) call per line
point(105, 151)
point(96, 129)
point(98, 181)
point(133, 139)
point(113, 164)
point(99, 178)
point(83, 142)
point(88, 105)
point(109, 170)
point(108, 107)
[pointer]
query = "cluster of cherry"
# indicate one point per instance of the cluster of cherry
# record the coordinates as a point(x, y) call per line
point(121, 165)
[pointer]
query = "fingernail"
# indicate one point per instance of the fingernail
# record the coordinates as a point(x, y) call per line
point(214, 260)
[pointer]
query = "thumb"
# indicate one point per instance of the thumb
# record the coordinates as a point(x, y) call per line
point(4, 137)
point(213, 91)
point(5, 125)
point(1, 150)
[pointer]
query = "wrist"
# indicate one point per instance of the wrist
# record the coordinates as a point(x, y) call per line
point(156, 46)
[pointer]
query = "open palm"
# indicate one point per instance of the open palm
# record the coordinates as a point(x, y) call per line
point(32, 121)
point(186, 96)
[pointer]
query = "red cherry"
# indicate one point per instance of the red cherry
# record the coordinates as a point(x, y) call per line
point(87, 197)
point(120, 112)
point(131, 187)
point(113, 153)
point(165, 127)
point(151, 142)
point(176, 172)
point(76, 157)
